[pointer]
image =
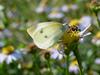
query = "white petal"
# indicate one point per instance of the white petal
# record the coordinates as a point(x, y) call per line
point(55, 54)
point(74, 6)
point(13, 57)
point(65, 8)
point(40, 9)
point(9, 59)
point(60, 56)
point(2, 57)
point(89, 33)
point(17, 54)
point(56, 15)
point(97, 60)
point(82, 32)
point(7, 33)
point(74, 68)
point(85, 21)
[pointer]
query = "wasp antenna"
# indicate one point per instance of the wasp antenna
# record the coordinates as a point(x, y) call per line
point(65, 24)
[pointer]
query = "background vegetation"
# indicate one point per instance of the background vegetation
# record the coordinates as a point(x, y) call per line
point(17, 15)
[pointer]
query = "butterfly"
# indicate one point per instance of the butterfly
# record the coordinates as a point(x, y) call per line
point(46, 34)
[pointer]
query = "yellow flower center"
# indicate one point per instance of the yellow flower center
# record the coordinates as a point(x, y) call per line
point(98, 35)
point(70, 37)
point(74, 23)
point(72, 34)
point(74, 62)
point(8, 50)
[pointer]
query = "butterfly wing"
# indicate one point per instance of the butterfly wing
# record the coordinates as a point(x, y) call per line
point(46, 34)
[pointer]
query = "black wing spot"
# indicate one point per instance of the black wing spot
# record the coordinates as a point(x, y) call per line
point(46, 36)
point(41, 31)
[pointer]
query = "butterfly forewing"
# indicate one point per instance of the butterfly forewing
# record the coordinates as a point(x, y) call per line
point(45, 36)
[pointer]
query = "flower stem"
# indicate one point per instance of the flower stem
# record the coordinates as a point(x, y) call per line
point(96, 14)
point(36, 65)
point(67, 65)
point(66, 70)
point(49, 66)
point(76, 52)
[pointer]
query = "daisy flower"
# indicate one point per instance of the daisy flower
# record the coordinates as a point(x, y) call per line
point(42, 6)
point(5, 33)
point(55, 14)
point(84, 22)
point(41, 9)
point(97, 61)
point(73, 67)
point(65, 8)
point(75, 32)
point(55, 54)
point(9, 55)
point(74, 6)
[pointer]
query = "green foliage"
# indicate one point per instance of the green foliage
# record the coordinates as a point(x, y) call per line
point(17, 15)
